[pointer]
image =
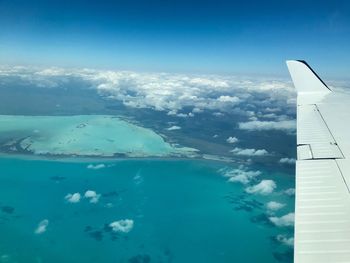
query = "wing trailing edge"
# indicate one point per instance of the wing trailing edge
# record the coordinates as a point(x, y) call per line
point(305, 78)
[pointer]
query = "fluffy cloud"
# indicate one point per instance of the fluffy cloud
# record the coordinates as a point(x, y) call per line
point(240, 175)
point(93, 196)
point(249, 152)
point(287, 161)
point(173, 92)
point(73, 198)
point(41, 228)
point(286, 220)
point(174, 128)
point(96, 167)
point(123, 226)
point(182, 115)
point(228, 99)
point(274, 206)
point(287, 125)
point(232, 140)
point(264, 187)
point(288, 241)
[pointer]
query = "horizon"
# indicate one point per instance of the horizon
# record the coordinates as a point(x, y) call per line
point(200, 37)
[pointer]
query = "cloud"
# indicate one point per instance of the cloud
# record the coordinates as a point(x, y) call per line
point(249, 152)
point(42, 227)
point(288, 241)
point(287, 125)
point(124, 226)
point(73, 198)
point(274, 206)
point(229, 99)
point(290, 191)
point(174, 128)
point(181, 115)
point(240, 175)
point(232, 139)
point(218, 114)
point(93, 196)
point(287, 161)
point(286, 220)
point(174, 92)
point(96, 167)
point(264, 187)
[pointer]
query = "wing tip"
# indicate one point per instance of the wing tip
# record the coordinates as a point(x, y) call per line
point(298, 63)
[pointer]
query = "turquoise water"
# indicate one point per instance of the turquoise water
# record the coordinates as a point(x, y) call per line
point(83, 135)
point(182, 211)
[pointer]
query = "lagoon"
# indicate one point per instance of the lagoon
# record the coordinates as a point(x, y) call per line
point(83, 135)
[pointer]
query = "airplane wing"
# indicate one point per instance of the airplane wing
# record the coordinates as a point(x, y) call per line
point(322, 208)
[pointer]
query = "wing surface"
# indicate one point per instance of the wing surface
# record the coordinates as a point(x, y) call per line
point(322, 208)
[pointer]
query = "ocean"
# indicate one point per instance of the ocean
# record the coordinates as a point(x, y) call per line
point(181, 211)
point(137, 175)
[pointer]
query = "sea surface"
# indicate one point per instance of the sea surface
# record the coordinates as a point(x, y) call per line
point(130, 187)
point(182, 211)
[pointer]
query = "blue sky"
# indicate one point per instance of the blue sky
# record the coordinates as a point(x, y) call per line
point(248, 37)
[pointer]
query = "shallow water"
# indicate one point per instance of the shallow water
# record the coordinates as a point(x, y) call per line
point(183, 211)
point(83, 135)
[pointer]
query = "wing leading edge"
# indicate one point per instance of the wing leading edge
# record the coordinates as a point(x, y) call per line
point(322, 205)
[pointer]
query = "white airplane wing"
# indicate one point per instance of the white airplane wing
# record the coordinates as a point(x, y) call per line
point(322, 208)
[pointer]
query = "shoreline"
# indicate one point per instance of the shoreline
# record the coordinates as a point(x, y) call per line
point(108, 159)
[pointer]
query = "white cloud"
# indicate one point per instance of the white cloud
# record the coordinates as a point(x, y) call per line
point(52, 72)
point(249, 152)
point(174, 128)
point(96, 167)
point(232, 139)
point(93, 196)
point(240, 175)
point(197, 110)
point(218, 114)
point(290, 191)
point(288, 241)
point(229, 99)
point(287, 125)
point(41, 228)
point(274, 206)
point(286, 220)
point(73, 198)
point(287, 161)
point(264, 187)
point(177, 92)
point(124, 225)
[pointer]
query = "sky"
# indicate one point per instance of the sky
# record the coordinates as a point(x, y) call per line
point(217, 37)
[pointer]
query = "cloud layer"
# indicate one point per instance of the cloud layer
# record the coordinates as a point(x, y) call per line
point(265, 103)
point(287, 125)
